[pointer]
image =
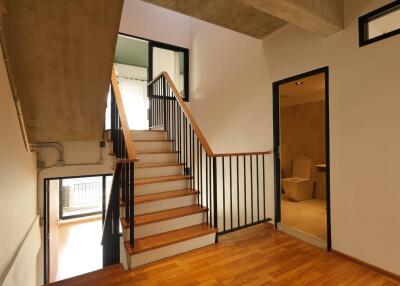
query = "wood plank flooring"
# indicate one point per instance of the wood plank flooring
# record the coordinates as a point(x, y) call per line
point(259, 255)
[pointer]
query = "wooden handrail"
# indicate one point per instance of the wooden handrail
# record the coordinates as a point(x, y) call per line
point(194, 124)
point(130, 145)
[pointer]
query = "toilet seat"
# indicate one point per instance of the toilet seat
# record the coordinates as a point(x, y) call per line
point(295, 179)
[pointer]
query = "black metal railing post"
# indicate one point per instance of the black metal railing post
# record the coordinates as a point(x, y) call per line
point(215, 190)
point(164, 99)
point(131, 203)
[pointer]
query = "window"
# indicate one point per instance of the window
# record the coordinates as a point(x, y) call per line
point(83, 196)
point(380, 24)
point(175, 61)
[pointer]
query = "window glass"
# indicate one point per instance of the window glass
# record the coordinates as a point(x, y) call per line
point(80, 196)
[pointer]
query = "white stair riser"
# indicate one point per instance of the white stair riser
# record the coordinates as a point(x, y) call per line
point(162, 205)
point(148, 189)
point(158, 158)
point(158, 171)
point(146, 257)
point(148, 135)
point(153, 146)
point(165, 225)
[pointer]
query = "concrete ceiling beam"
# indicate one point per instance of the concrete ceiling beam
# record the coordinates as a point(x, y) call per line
point(323, 17)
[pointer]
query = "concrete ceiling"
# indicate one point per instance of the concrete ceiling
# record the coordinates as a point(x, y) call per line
point(259, 18)
point(231, 14)
point(61, 54)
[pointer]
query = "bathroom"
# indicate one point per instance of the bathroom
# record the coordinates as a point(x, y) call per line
point(303, 157)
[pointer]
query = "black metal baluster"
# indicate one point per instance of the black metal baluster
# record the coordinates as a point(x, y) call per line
point(131, 203)
point(237, 187)
point(201, 171)
point(207, 187)
point(244, 190)
point(264, 182)
point(210, 188)
point(191, 157)
point(230, 185)
point(215, 196)
point(223, 190)
point(185, 143)
point(174, 124)
point(180, 135)
point(164, 99)
point(258, 193)
point(251, 181)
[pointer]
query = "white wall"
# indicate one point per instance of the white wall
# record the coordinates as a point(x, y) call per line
point(364, 129)
point(229, 79)
point(148, 21)
point(17, 190)
point(81, 158)
point(54, 189)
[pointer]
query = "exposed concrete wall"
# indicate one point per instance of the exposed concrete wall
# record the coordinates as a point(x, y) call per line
point(17, 192)
point(324, 17)
point(231, 14)
point(61, 54)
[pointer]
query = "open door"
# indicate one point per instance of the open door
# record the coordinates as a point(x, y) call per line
point(301, 156)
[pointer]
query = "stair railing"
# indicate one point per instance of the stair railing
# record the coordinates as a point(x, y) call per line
point(232, 186)
point(123, 188)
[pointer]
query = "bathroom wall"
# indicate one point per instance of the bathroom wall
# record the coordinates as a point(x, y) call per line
point(303, 134)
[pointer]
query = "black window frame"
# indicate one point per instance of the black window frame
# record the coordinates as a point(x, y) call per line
point(155, 44)
point(103, 191)
point(363, 22)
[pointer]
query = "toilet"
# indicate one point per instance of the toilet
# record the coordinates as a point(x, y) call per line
point(300, 186)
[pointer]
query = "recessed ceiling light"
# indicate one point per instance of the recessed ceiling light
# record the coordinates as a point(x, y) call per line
point(298, 83)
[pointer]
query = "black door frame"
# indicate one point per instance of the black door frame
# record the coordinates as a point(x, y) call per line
point(46, 217)
point(156, 44)
point(276, 134)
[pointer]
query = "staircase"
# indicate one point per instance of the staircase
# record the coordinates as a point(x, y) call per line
point(171, 193)
point(168, 218)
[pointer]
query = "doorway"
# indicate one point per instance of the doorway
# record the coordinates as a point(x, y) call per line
point(74, 210)
point(301, 156)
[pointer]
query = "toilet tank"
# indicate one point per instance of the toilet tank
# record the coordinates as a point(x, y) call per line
point(302, 167)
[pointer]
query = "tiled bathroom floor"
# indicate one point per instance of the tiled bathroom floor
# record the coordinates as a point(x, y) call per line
point(308, 216)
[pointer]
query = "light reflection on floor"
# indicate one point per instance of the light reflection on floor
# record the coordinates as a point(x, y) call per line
point(80, 250)
point(308, 216)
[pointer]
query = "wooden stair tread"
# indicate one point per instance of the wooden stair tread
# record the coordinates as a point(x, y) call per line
point(170, 237)
point(102, 277)
point(152, 180)
point(164, 196)
point(156, 165)
point(164, 215)
point(157, 152)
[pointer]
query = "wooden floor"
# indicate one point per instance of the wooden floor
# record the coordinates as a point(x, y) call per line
point(79, 248)
point(258, 255)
